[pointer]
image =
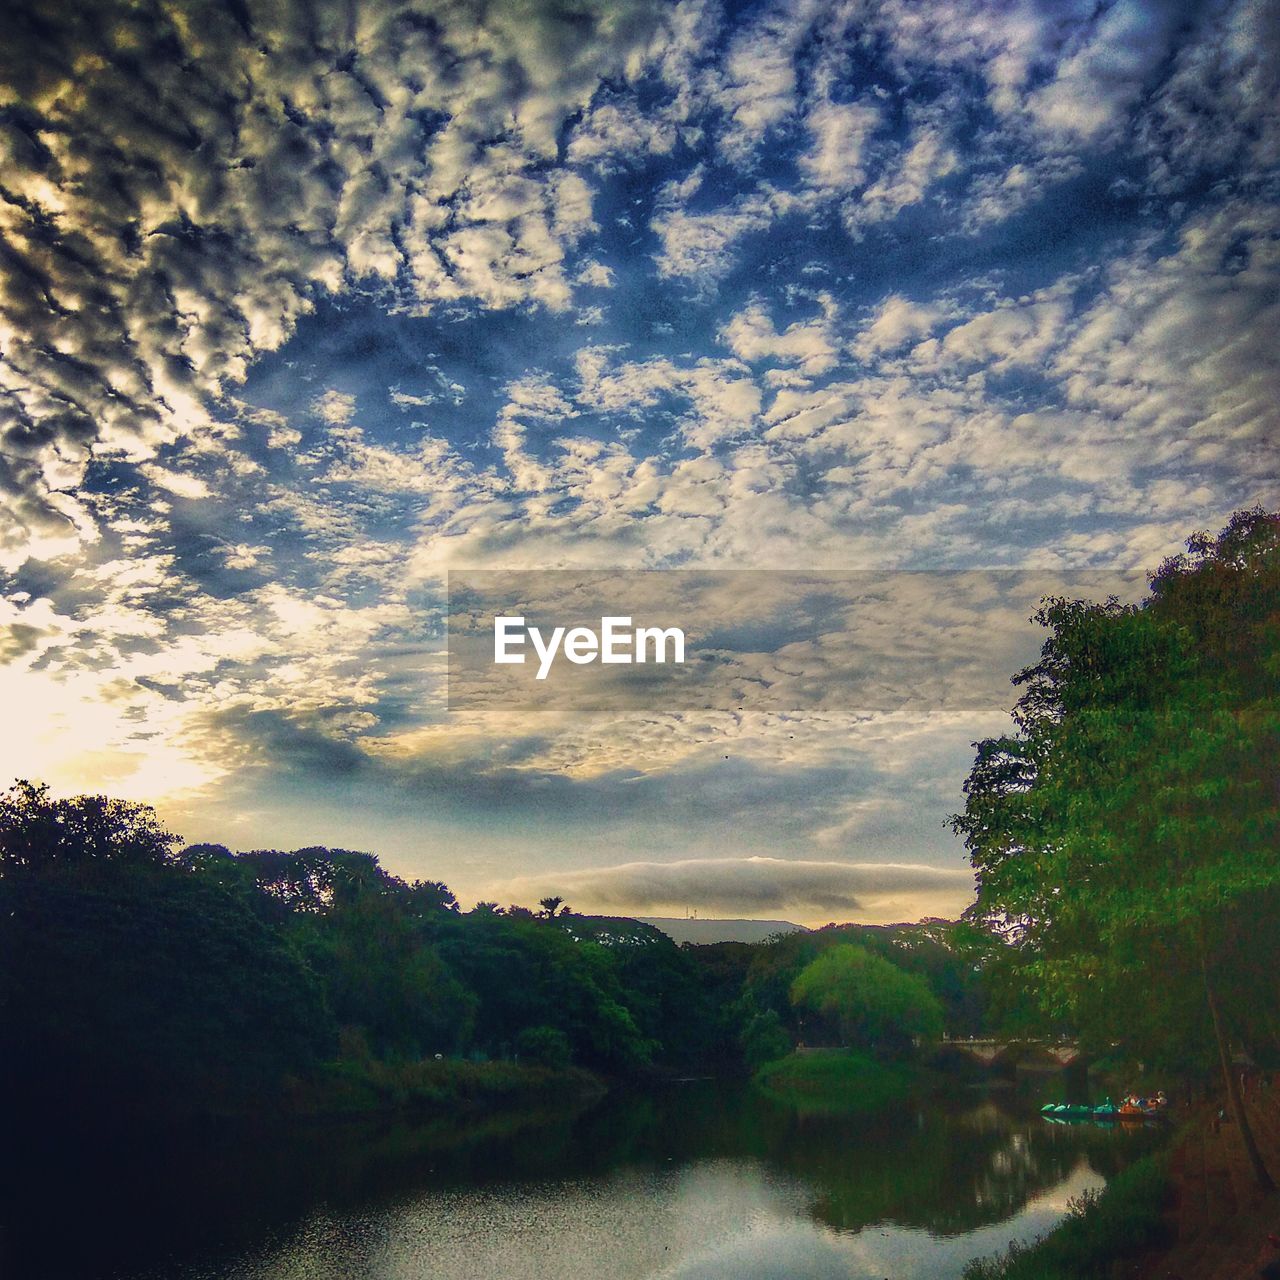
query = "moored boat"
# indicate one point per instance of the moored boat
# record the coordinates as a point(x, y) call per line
point(1140, 1108)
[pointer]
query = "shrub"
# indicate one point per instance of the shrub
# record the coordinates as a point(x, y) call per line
point(544, 1047)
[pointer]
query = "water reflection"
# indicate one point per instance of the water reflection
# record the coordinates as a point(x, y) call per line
point(701, 1182)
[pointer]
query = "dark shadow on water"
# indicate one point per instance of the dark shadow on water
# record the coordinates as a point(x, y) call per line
point(183, 1204)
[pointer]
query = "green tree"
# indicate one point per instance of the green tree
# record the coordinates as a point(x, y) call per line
point(563, 981)
point(544, 1047)
point(137, 982)
point(1125, 836)
point(38, 832)
point(764, 1039)
point(382, 976)
point(868, 1001)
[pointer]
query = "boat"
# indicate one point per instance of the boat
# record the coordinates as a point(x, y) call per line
point(1106, 1110)
point(1137, 1108)
point(1066, 1111)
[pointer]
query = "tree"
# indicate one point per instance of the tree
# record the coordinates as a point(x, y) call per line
point(382, 976)
point(38, 832)
point(525, 973)
point(426, 896)
point(550, 906)
point(139, 981)
point(763, 1039)
point(1129, 826)
point(544, 1047)
point(868, 1001)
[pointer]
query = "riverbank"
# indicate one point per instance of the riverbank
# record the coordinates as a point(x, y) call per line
point(353, 1088)
point(1100, 1233)
point(838, 1081)
point(1219, 1221)
point(1192, 1212)
point(415, 1092)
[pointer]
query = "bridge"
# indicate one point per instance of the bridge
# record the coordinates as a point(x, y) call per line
point(1031, 1055)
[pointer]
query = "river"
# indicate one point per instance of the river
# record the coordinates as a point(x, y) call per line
point(696, 1181)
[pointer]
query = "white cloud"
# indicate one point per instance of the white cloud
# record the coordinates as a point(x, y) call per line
point(897, 321)
point(1017, 334)
point(595, 274)
point(701, 246)
point(176, 482)
point(928, 159)
point(334, 407)
point(809, 344)
point(265, 163)
point(615, 130)
point(1103, 73)
point(756, 84)
point(839, 133)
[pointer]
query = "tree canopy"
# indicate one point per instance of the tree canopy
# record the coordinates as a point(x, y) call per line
point(868, 1001)
point(134, 967)
point(139, 965)
point(1125, 835)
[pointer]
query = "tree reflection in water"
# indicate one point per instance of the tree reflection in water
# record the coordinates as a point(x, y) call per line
point(690, 1181)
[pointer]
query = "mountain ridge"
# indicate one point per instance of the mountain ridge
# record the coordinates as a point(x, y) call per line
point(705, 932)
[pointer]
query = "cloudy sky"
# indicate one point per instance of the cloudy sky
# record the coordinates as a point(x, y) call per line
point(303, 305)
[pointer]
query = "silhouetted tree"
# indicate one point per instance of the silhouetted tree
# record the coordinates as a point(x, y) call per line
point(37, 831)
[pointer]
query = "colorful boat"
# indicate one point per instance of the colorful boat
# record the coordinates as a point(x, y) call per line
point(1136, 1108)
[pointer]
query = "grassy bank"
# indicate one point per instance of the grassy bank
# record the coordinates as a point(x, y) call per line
point(1123, 1219)
point(365, 1087)
point(834, 1081)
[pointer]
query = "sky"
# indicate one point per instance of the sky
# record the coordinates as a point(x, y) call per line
point(305, 305)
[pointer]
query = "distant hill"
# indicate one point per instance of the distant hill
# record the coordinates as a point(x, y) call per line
point(706, 931)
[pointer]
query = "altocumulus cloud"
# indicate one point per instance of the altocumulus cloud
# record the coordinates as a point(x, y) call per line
point(869, 891)
point(303, 301)
point(183, 179)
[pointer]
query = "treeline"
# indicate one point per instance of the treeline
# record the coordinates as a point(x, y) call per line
point(134, 968)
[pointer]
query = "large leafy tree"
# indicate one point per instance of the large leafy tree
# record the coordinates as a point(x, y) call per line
point(123, 974)
point(39, 832)
point(1125, 836)
point(868, 1001)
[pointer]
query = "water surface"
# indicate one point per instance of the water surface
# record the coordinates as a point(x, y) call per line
point(700, 1181)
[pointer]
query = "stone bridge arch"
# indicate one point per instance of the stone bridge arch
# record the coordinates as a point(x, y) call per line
point(1020, 1055)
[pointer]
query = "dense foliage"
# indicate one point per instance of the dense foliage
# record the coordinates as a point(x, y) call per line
point(942, 960)
point(1127, 835)
point(866, 1002)
point(131, 967)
